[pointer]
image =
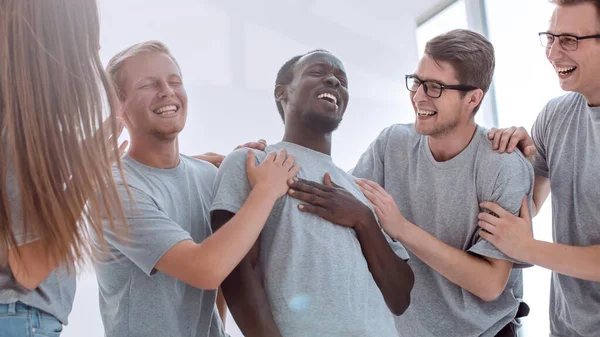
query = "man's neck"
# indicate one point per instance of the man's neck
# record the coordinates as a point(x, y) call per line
point(315, 141)
point(449, 145)
point(593, 99)
point(162, 154)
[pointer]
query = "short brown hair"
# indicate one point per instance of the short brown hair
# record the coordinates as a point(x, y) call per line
point(577, 2)
point(116, 63)
point(470, 54)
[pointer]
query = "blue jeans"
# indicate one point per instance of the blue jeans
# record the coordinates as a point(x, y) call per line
point(20, 320)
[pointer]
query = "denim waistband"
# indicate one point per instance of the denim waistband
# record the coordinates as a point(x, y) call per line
point(13, 308)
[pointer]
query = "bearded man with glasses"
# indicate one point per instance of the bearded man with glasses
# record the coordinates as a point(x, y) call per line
point(426, 181)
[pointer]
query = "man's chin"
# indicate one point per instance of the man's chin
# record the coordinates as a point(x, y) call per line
point(323, 123)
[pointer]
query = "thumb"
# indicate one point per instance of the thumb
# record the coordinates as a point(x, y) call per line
point(250, 160)
point(327, 180)
point(530, 151)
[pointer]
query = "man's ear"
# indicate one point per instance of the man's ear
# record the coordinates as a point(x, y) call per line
point(280, 93)
point(474, 98)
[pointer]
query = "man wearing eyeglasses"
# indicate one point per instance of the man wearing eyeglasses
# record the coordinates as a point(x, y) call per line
point(565, 150)
point(426, 181)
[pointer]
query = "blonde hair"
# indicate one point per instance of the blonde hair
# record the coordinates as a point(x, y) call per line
point(115, 64)
point(53, 89)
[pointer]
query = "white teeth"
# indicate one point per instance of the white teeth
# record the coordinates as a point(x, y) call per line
point(564, 70)
point(170, 108)
point(328, 96)
point(425, 113)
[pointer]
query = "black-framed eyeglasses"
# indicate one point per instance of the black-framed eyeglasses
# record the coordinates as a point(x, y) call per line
point(433, 89)
point(566, 41)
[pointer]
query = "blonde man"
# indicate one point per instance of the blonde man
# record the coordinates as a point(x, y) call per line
point(162, 280)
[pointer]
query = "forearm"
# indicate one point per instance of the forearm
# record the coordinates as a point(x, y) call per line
point(468, 271)
point(574, 261)
point(393, 276)
point(248, 302)
point(222, 252)
point(32, 265)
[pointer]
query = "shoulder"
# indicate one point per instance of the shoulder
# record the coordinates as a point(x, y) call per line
point(563, 104)
point(400, 132)
point(501, 166)
point(198, 165)
point(398, 135)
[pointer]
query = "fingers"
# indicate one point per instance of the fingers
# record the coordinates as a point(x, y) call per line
point(281, 157)
point(378, 212)
point(495, 208)
point(492, 133)
point(373, 200)
point(529, 151)
point(270, 156)
point(486, 217)
point(496, 138)
point(307, 197)
point(488, 226)
point(294, 171)
point(317, 210)
point(524, 213)
point(251, 160)
point(308, 187)
point(261, 145)
point(289, 162)
point(372, 187)
point(328, 182)
point(505, 137)
point(487, 236)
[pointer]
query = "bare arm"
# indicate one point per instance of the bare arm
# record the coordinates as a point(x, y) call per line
point(513, 236)
point(206, 264)
point(574, 261)
point(245, 293)
point(31, 266)
point(484, 277)
point(541, 191)
point(221, 306)
point(392, 274)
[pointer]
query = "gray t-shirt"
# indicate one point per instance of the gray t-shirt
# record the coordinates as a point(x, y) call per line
point(443, 199)
point(56, 293)
point(169, 206)
point(567, 138)
point(315, 275)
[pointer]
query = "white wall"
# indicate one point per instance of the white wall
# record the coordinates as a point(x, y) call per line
point(230, 51)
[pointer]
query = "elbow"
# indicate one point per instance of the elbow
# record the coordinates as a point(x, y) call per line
point(402, 299)
point(401, 304)
point(28, 283)
point(490, 294)
point(208, 279)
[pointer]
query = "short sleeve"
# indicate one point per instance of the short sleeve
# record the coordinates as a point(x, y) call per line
point(151, 233)
point(397, 247)
point(539, 136)
point(514, 182)
point(371, 163)
point(231, 187)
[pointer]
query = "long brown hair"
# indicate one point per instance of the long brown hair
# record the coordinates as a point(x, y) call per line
point(53, 90)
